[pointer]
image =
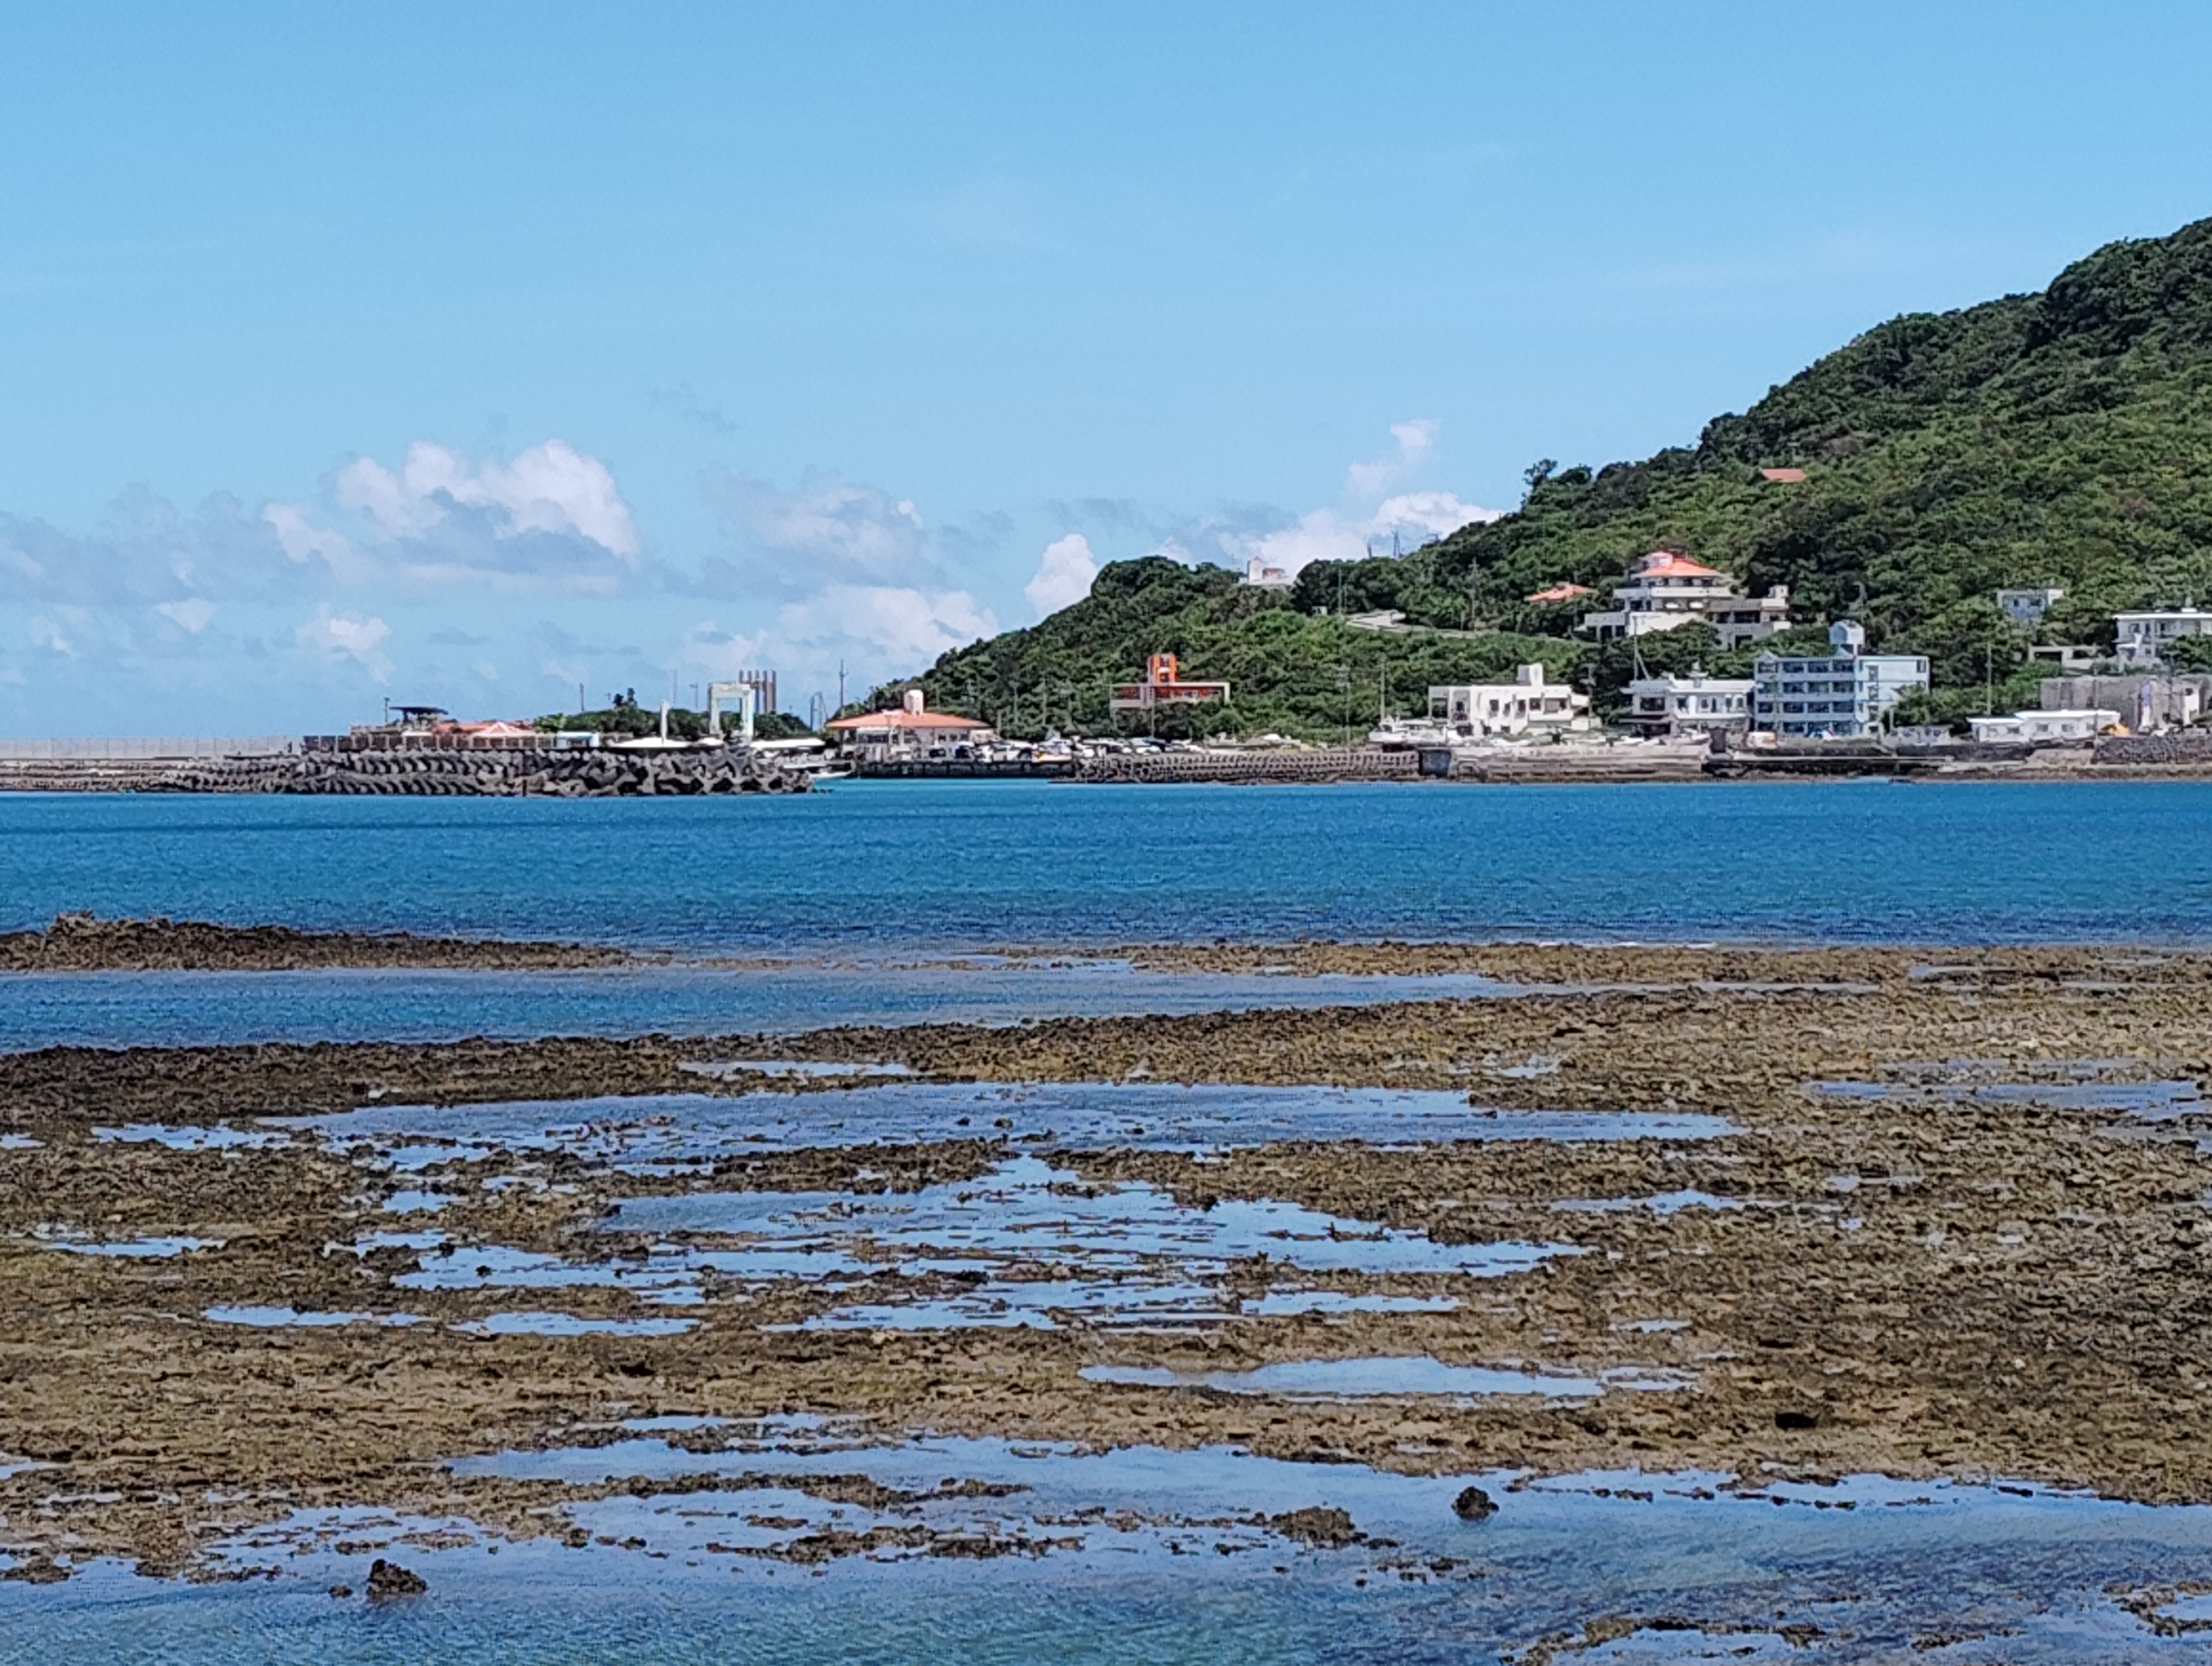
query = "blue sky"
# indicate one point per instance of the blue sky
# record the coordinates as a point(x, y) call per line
point(464, 353)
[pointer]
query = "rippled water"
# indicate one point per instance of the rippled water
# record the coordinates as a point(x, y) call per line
point(1172, 1561)
point(663, 1128)
point(170, 1009)
point(968, 866)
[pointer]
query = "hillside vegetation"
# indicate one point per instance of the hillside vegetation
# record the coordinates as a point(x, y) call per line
point(2060, 437)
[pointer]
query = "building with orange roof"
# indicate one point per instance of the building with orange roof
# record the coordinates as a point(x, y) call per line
point(908, 731)
point(1666, 590)
point(1562, 593)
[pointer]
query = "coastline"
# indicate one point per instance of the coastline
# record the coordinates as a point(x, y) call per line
point(2007, 1285)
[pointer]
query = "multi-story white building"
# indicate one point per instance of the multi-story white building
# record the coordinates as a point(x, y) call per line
point(1696, 704)
point(1838, 695)
point(1665, 591)
point(2145, 637)
point(2025, 607)
point(1529, 704)
point(2046, 726)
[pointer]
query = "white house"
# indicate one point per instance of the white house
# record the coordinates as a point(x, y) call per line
point(1665, 591)
point(2025, 607)
point(2145, 637)
point(1696, 704)
point(2053, 727)
point(1838, 696)
point(1529, 704)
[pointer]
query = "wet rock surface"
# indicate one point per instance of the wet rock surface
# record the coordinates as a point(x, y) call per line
point(83, 943)
point(387, 1580)
point(1474, 1504)
point(1908, 1285)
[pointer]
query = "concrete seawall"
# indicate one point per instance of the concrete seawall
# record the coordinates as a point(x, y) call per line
point(505, 774)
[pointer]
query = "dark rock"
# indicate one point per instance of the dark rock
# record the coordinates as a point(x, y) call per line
point(1318, 1525)
point(341, 1590)
point(1474, 1504)
point(389, 1579)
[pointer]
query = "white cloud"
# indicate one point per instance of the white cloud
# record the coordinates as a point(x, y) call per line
point(1417, 443)
point(1431, 514)
point(904, 626)
point(302, 542)
point(551, 487)
point(47, 634)
point(1063, 576)
point(339, 636)
point(192, 613)
point(844, 531)
point(1346, 532)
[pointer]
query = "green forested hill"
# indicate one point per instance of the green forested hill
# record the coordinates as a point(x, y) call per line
point(2058, 438)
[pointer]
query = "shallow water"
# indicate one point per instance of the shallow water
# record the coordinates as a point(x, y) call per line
point(658, 1129)
point(172, 1009)
point(1041, 1245)
point(1381, 1378)
point(1176, 1563)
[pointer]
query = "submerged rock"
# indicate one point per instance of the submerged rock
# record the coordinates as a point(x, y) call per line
point(389, 1579)
point(1474, 1504)
point(1318, 1525)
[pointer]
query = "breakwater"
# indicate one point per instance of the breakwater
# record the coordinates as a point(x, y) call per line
point(1330, 764)
point(516, 773)
point(1486, 764)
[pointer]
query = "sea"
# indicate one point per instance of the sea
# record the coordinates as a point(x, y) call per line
point(998, 901)
point(879, 866)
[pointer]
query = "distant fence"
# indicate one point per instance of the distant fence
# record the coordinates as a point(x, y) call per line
point(150, 746)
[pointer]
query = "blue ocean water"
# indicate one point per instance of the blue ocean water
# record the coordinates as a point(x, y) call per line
point(967, 865)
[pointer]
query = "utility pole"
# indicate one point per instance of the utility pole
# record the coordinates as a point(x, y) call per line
point(840, 685)
point(580, 699)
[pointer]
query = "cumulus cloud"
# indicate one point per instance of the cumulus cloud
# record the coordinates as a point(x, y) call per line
point(1417, 443)
point(303, 542)
point(340, 636)
point(551, 487)
point(192, 615)
point(903, 626)
point(1367, 517)
point(1063, 575)
point(838, 530)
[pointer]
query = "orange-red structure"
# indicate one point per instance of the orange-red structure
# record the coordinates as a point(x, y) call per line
point(1165, 684)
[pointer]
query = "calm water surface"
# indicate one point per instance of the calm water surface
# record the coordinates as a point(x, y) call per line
point(966, 865)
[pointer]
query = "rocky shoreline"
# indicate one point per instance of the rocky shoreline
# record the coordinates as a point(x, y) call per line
point(1934, 1275)
point(84, 943)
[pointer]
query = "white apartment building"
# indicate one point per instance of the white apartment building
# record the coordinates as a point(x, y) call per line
point(2025, 607)
point(2145, 637)
point(2048, 726)
point(1529, 704)
point(1837, 697)
point(1696, 704)
point(1665, 591)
